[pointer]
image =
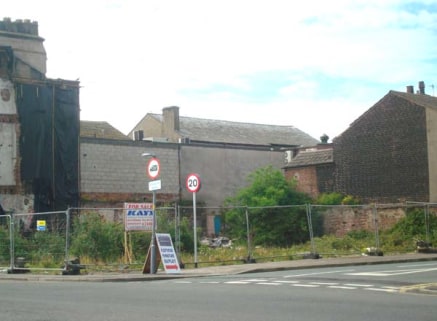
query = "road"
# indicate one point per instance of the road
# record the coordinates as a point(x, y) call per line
point(371, 292)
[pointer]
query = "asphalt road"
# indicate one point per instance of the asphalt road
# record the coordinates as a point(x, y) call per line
point(334, 293)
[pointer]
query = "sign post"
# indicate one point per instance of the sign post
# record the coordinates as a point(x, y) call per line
point(193, 185)
point(153, 170)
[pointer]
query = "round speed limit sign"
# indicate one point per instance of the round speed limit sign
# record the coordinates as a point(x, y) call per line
point(193, 183)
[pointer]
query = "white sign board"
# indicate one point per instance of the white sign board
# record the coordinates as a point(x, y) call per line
point(138, 216)
point(155, 185)
point(168, 255)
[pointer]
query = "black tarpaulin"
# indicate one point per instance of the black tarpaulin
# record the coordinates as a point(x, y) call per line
point(49, 141)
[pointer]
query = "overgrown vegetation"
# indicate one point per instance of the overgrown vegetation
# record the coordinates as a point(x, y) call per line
point(271, 223)
point(336, 199)
point(278, 229)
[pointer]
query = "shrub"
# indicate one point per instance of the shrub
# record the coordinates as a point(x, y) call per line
point(95, 238)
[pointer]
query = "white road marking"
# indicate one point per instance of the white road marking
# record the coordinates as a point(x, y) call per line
point(413, 265)
point(183, 282)
point(317, 273)
point(392, 272)
point(381, 290)
point(268, 283)
point(359, 285)
point(287, 282)
point(342, 287)
point(324, 283)
point(209, 282)
point(237, 282)
point(306, 285)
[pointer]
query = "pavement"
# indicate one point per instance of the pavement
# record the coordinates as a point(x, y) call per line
point(135, 276)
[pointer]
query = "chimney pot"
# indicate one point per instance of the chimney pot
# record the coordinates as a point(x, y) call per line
point(421, 87)
point(410, 89)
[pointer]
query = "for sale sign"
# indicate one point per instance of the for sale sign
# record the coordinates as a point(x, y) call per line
point(138, 216)
point(168, 254)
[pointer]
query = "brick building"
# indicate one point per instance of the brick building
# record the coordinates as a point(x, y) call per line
point(39, 125)
point(223, 153)
point(389, 154)
point(312, 169)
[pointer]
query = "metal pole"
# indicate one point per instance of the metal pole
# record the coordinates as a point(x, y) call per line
point(310, 228)
point(12, 245)
point(249, 245)
point(195, 229)
point(427, 223)
point(67, 234)
point(152, 243)
point(375, 219)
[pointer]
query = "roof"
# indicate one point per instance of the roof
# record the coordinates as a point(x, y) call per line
point(100, 129)
point(312, 157)
point(221, 131)
point(418, 99)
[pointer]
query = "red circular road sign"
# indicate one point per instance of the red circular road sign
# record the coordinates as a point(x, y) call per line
point(153, 168)
point(193, 182)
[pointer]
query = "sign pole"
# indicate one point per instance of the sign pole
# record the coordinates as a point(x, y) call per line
point(195, 229)
point(152, 242)
point(193, 185)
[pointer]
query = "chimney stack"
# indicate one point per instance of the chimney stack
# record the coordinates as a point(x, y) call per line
point(421, 87)
point(410, 89)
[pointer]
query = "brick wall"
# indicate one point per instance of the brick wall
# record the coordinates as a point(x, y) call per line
point(342, 220)
point(383, 155)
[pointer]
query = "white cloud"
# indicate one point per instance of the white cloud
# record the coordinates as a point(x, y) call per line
point(134, 57)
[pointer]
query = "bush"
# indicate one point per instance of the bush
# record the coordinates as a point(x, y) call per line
point(97, 239)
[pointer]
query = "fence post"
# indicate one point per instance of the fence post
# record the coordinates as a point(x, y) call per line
point(427, 223)
point(11, 242)
point(67, 234)
point(249, 243)
point(310, 227)
point(177, 230)
point(375, 221)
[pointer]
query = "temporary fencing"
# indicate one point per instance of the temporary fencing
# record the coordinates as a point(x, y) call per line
point(98, 236)
point(36, 241)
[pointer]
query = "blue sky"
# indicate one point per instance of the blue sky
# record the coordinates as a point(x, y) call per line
point(315, 65)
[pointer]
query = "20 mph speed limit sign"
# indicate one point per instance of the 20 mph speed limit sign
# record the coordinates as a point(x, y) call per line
point(193, 183)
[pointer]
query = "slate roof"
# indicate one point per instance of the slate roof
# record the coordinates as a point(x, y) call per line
point(418, 99)
point(312, 157)
point(100, 129)
point(221, 131)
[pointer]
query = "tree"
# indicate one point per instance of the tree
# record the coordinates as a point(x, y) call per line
point(273, 220)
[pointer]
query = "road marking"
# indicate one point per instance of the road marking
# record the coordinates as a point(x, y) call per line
point(413, 265)
point(287, 282)
point(257, 280)
point(183, 282)
point(342, 287)
point(317, 273)
point(210, 282)
point(324, 283)
point(237, 282)
point(381, 290)
point(392, 272)
point(268, 283)
point(306, 285)
point(359, 285)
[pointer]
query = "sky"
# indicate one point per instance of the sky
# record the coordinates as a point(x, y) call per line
point(314, 65)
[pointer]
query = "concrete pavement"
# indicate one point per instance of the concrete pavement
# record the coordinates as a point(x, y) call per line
point(129, 276)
